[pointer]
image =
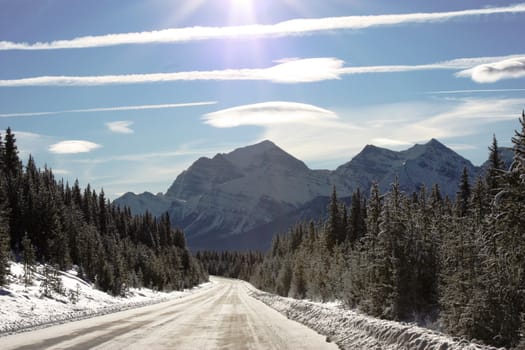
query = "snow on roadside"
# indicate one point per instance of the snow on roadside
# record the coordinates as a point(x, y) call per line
point(352, 330)
point(23, 309)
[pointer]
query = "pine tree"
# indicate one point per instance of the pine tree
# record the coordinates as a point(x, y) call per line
point(4, 236)
point(495, 167)
point(357, 224)
point(12, 170)
point(519, 146)
point(463, 195)
point(334, 233)
point(4, 249)
point(28, 256)
point(2, 156)
point(11, 161)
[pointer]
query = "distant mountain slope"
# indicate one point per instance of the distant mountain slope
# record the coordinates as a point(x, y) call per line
point(238, 200)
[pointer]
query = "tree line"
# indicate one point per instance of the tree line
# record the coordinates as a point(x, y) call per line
point(48, 221)
point(454, 264)
point(230, 264)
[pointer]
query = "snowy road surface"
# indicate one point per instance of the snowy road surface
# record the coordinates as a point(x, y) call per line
point(221, 317)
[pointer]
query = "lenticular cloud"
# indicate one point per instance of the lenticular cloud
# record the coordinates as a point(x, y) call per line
point(73, 146)
point(268, 113)
point(492, 72)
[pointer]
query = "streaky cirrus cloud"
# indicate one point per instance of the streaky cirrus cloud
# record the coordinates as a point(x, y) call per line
point(120, 127)
point(109, 109)
point(73, 146)
point(268, 113)
point(492, 72)
point(470, 91)
point(286, 28)
point(296, 71)
point(306, 70)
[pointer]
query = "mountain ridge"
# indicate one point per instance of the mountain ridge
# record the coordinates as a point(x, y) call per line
point(238, 196)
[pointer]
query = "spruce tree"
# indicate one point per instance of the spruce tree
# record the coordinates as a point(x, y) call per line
point(463, 195)
point(11, 161)
point(495, 167)
point(4, 249)
point(356, 222)
point(4, 235)
point(12, 171)
point(28, 256)
point(334, 233)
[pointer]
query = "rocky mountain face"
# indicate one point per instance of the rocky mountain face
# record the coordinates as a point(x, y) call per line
point(240, 199)
point(419, 165)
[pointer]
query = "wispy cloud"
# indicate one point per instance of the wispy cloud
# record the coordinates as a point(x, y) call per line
point(471, 91)
point(306, 70)
point(287, 28)
point(510, 68)
point(141, 157)
point(120, 127)
point(189, 151)
point(297, 71)
point(73, 146)
point(110, 109)
point(268, 113)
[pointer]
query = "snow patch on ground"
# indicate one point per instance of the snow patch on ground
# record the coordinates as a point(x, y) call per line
point(23, 309)
point(352, 330)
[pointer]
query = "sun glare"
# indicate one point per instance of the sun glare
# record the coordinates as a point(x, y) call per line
point(241, 2)
point(242, 11)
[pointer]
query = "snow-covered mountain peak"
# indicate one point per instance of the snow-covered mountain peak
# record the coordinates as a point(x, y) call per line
point(262, 154)
point(432, 146)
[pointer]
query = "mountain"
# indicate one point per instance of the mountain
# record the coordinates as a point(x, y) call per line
point(419, 165)
point(233, 193)
point(238, 200)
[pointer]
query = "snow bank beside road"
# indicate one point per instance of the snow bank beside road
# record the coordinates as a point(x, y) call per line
point(23, 309)
point(352, 330)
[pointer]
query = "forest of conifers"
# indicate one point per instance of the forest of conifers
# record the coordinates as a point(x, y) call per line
point(455, 264)
point(48, 221)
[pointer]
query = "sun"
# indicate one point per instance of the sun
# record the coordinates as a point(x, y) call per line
point(241, 3)
point(242, 11)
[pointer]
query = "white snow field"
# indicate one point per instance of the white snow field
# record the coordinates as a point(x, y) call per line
point(23, 309)
point(354, 331)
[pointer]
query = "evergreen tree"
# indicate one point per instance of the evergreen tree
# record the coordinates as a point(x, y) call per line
point(357, 228)
point(28, 256)
point(12, 169)
point(4, 235)
point(334, 233)
point(463, 195)
point(11, 162)
point(4, 249)
point(495, 167)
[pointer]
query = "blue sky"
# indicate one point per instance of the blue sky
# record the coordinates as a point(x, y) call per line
point(125, 95)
